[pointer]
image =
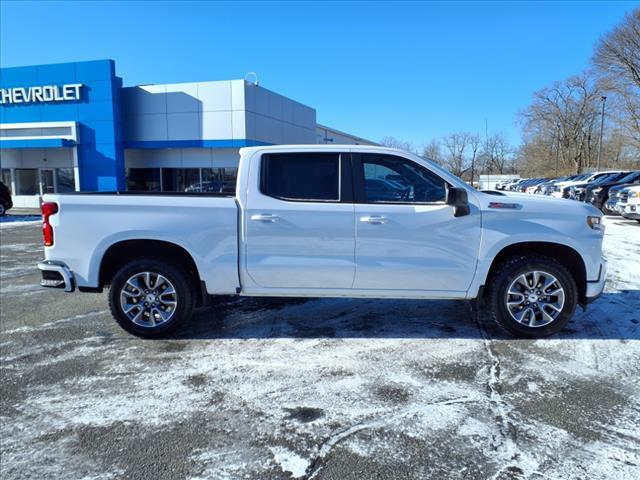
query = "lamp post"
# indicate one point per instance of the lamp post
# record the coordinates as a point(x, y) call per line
point(557, 147)
point(604, 99)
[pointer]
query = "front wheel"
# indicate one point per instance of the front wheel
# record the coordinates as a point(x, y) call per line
point(3, 209)
point(151, 298)
point(532, 296)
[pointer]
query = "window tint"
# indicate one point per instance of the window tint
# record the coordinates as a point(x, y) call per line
point(143, 179)
point(398, 180)
point(301, 176)
point(66, 180)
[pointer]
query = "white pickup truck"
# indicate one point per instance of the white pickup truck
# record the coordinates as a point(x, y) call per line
point(327, 221)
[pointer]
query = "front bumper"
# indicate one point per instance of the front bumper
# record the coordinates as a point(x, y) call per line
point(56, 275)
point(631, 211)
point(596, 287)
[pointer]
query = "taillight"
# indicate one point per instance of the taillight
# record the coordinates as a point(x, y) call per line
point(48, 209)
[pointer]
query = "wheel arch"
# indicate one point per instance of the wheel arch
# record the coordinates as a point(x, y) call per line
point(563, 254)
point(122, 252)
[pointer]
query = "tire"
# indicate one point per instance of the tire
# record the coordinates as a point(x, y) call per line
point(604, 209)
point(540, 317)
point(155, 305)
point(3, 209)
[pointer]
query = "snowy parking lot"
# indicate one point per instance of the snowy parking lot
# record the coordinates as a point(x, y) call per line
point(323, 389)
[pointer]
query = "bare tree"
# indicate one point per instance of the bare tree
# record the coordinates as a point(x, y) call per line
point(617, 61)
point(456, 144)
point(433, 152)
point(497, 153)
point(393, 142)
point(568, 109)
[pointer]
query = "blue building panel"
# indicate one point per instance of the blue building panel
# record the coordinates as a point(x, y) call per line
point(95, 70)
point(56, 74)
point(18, 77)
point(97, 112)
point(25, 113)
point(57, 113)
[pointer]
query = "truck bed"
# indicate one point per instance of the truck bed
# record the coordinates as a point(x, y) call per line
point(203, 224)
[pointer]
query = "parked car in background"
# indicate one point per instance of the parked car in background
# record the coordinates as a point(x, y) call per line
point(632, 207)
point(598, 194)
point(533, 186)
point(544, 187)
point(590, 177)
point(558, 187)
point(6, 202)
point(623, 199)
point(579, 191)
point(614, 197)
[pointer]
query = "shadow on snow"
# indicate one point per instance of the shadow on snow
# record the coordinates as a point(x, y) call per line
point(615, 315)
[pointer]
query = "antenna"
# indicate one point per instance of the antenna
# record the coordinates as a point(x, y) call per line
point(255, 76)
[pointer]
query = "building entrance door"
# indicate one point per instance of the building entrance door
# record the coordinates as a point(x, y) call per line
point(46, 181)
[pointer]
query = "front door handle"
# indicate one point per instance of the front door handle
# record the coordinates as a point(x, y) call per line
point(265, 217)
point(374, 219)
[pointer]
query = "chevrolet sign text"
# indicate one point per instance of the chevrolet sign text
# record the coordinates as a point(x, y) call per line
point(40, 94)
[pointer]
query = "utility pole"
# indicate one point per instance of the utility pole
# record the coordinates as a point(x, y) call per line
point(473, 164)
point(604, 99)
point(557, 147)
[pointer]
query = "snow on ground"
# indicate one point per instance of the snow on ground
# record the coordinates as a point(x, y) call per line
point(323, 389)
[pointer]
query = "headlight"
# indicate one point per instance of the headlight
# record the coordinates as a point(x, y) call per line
point(597, 190)
point(595, 223)
point(634, 194)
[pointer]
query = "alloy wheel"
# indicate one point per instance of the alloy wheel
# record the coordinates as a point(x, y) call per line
point(535, 299)
point(148, 299)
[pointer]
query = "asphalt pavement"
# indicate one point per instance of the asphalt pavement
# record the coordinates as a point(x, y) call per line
point(324, 389)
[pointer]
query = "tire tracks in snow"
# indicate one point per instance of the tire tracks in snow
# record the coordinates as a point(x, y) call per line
point(316, 464)
point(505, 443)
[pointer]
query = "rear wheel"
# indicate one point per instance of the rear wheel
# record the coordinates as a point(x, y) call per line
point(151, 298)
point(532, 296)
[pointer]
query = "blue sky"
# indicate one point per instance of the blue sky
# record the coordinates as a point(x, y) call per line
point(412, 70)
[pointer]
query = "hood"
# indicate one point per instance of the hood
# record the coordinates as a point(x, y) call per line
point(536, 204)
point(580, 185)
point(623, 185)
point(610, 185)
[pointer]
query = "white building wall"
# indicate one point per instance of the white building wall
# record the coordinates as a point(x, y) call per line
point(221, 110)
point(326, 135)
point(182, 158)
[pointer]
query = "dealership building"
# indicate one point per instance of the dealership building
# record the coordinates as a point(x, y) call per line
point(74, 127)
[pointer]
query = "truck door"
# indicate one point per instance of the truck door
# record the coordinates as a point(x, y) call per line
point(406, 236)
point(299, 222)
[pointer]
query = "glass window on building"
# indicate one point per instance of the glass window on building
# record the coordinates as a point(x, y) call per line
point(46, 181)
point(230, 175)
point(6, 177)
point(181, 180)
point(211, 180)
point(143, 179)
point(66, 180)
point(27, 181)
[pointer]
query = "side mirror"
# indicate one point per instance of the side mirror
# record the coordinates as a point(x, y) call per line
point(458, 199)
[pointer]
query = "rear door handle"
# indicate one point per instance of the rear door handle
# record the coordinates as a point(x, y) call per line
point(374, 219)
point(265, 217)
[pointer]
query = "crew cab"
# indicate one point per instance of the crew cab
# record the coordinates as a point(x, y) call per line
point(327, 221)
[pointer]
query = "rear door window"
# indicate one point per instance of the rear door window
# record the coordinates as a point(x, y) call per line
point(301, 176)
